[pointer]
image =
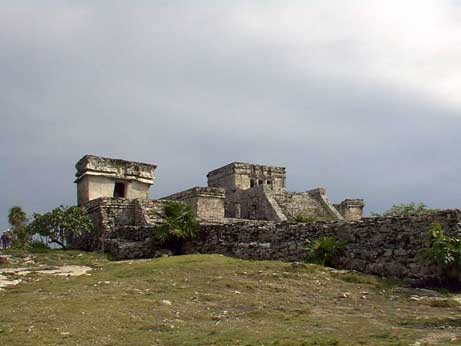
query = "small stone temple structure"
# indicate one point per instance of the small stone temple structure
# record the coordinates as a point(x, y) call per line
point(104, 177)
point(236, 191)
point(257, 192)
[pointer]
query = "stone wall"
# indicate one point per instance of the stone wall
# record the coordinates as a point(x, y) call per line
point(207, 203)
point(382, 246)
point(109, 215)
point(239, 175)
point(301, 203)
point(258, 203)
point(386, 246)
point(351, 209)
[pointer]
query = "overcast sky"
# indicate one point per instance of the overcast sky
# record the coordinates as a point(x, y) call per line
point(360, 97)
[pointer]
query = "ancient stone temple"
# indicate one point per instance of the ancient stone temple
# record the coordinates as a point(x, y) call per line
point(105, 177)
point(257, 192)
point(246, 212)
point(116, 193)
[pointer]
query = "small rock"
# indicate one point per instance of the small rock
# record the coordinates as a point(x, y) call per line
point(427, 293)
point(298, 265)
point(166, 302)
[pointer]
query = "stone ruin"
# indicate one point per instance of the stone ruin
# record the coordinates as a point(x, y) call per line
point(104, 177)
point(237, 191)
point(246, 212)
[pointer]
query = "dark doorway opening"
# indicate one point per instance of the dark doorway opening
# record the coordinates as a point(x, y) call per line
point(119, 190)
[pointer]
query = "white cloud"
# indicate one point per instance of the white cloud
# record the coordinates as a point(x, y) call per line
point(413, 46)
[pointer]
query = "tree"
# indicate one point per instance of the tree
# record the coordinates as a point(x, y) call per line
point(17, 219)
point(404, 209)
point(180, 224)
point(61, 225)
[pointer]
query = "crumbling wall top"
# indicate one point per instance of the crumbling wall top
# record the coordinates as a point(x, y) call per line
point(115, 168)
point(247, 168)
point(197, 191)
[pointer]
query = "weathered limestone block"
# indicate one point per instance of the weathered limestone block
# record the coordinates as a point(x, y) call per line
point(123, 249)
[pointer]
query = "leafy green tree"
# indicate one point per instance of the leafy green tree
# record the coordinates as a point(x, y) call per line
point(18, 219)
point(61, 225)
point(404, 209)
point(179, 224)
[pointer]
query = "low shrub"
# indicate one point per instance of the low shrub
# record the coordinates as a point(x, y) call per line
point(37, 246)
point(325, 251)
point(445, 252)
point(180, 224)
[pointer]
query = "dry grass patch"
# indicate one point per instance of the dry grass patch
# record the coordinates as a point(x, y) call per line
point(212, 300)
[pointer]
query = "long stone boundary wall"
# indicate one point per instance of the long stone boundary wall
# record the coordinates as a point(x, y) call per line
point(386, 246)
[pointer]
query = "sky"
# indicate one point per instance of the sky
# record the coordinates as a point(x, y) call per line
point(360, 97)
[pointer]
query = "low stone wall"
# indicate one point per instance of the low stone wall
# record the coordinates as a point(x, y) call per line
point(109, 215)
point(383, 246)
point(386, 246)
point(109, 212)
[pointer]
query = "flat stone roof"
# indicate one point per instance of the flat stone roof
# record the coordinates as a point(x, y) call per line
point(116, 168)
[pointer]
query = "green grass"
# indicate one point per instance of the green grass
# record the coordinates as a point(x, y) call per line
point(214, 300)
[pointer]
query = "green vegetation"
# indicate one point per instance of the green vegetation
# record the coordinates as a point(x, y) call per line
point(325, 251)
point(61, 224)
point(445, 252)
point(406, 209)
point(18, 219)
point(180, 224)
point(213, 300)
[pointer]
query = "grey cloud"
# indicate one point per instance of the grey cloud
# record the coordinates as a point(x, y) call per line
point(173, 84)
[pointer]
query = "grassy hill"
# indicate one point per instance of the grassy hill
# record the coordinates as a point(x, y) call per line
point(215, 300)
